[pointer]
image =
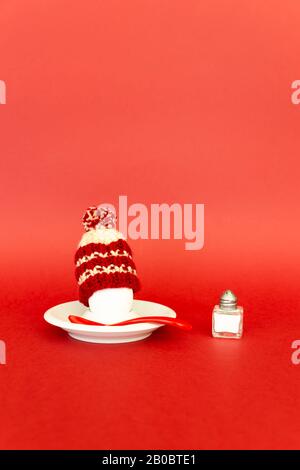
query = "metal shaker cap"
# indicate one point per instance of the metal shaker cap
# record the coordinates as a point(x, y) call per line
point(228, 300)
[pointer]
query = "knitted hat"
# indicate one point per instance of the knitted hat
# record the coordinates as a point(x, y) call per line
point(103, 259)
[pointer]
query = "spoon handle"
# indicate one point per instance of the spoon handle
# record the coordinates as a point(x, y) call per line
point(163, 320)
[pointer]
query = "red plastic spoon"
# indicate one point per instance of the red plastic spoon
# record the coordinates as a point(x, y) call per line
point(163, 320)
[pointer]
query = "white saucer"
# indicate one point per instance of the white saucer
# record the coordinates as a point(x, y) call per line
point(58, 316)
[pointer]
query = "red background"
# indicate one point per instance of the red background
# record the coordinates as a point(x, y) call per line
point(181, 101)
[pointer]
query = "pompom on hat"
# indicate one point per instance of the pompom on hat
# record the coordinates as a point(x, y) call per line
point(103, 259)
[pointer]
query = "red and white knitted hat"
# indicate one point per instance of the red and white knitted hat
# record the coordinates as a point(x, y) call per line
point(103, 259)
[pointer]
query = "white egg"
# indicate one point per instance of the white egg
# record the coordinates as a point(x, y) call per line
point(111, 305)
